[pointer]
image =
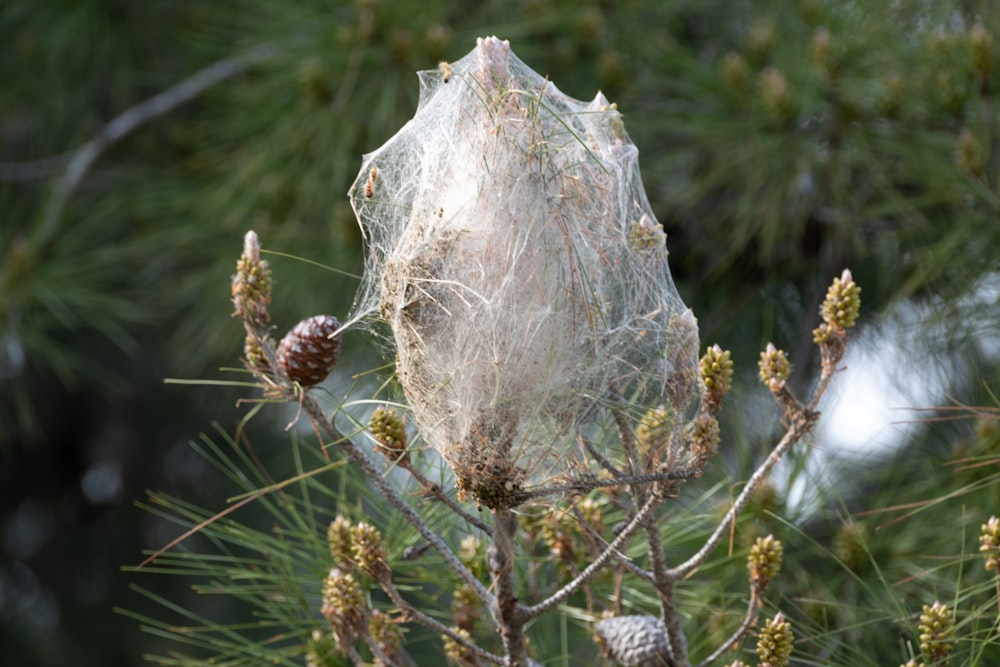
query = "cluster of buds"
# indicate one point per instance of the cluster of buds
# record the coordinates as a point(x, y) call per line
point(389, 431)
point(937, 631)
point(344, 606)
point(386, 634)
point(775, 368)
point(716, 369)
point(764, 561)
point(646, 235)
point(652, 435)
point(369, 553)
point(981, 51)
point(774, 644)
point(466, 608)
point(989, 544)
point(849, 545)
point(454, 652)
point(251, 288)
point(704, 440)
point(839, 312)
point(251, 295)
point(339, 539)
point(358, 546)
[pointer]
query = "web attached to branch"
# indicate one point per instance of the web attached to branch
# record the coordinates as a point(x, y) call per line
point(514, 255)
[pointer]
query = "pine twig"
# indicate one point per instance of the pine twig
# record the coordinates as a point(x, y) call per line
point(738, 634)
point(357, 455)
point(612, 549)
point(411, 612)
point(800, 425)
point(439, 494)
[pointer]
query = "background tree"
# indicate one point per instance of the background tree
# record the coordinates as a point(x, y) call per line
point(780, 141)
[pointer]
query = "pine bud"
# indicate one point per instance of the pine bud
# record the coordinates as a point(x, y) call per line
point(913, 663)
point(761, 37)
point(320, 650)
point(849, 545)
point(774, 93)
point(341, 543)
point(251, 288)
point(969, 153)
point(734, 70)
point(937, 631)
point(774, 366)
point(774, 644)
point(820, 49)
point(368, 551)
point(385, 632)
point(843, 302)
point(343, 606)
point(310, 350)
point(717, 373)
point(466, 607)
point(989, 544)
point(389, 431)
point(653, 432)
point(704, 440)
point(981, 49)
point(764, 561)
point(645, 235)
point(635, 641)
point(455, 653)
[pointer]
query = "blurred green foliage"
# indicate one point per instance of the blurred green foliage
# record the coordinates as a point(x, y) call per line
point(781, 141)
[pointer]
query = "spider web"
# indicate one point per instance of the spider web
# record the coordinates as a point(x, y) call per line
point(512, 251)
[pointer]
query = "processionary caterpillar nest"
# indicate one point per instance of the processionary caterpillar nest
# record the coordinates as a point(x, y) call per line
point(513, 253)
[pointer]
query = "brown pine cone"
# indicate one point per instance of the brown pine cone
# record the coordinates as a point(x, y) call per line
point(309, 351)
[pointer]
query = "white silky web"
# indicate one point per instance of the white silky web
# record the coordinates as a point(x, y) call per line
point(513, 253)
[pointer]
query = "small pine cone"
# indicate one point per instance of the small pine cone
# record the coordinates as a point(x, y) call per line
point(989, 544)
point(912, 663)
point(774, 644)
point(937, 631)
point(843, 302)
point(717, 373)
point(635, 641)
point(764, 561)
point(310, 350)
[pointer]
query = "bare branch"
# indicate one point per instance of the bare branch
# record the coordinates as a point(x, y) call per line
point(801, 424)
point(737, 636)
point(561, 595)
